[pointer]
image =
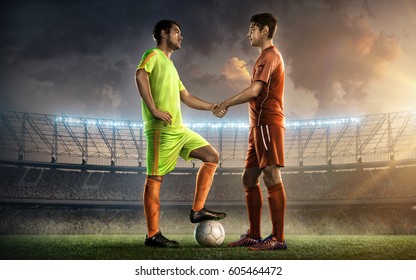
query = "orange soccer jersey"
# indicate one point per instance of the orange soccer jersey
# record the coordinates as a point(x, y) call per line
point(266, 140)
point(266, 137)
point(267, 108)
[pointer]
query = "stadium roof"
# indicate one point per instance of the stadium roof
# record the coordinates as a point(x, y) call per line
point(75, 140)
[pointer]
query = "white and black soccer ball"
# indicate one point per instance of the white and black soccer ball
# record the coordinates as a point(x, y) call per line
point(209, 233)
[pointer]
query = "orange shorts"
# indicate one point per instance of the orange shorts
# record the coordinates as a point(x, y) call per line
point(265, 146)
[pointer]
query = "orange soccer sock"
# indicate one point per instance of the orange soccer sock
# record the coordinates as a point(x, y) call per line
point(254, 203)
point(277, 204)
point(204, 180)
point(151, 200)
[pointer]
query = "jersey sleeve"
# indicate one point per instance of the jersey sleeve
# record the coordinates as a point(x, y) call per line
point(264, 69)
point(181, 86)
point(148, 61)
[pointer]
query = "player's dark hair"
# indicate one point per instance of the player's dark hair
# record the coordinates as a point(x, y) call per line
point(265, 19)
point(163, 25)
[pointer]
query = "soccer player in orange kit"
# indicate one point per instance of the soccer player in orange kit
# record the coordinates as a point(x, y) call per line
point(265, 153)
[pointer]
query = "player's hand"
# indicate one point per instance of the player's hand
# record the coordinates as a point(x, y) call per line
point(215, 107)
point(220, 110)
point(163, 116)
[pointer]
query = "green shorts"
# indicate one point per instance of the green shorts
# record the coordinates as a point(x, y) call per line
point(165, 146)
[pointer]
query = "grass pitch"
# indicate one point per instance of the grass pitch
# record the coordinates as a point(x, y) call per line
point(125, 247)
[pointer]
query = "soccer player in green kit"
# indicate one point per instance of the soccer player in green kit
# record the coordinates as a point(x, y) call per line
point(167, 138)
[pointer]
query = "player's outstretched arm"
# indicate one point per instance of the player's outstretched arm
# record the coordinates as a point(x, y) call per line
point(143, 86)
point(246, 95)
point(197, 103)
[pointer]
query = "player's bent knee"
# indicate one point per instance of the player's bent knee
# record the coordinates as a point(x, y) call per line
point(206, 154)
point(216, 157)
point(213, 156)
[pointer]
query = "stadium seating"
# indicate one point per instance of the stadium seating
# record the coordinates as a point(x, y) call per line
point(177, 194)
point(179, 186)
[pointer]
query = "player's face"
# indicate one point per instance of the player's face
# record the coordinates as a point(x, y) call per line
point(254, 35)
point(174, 38)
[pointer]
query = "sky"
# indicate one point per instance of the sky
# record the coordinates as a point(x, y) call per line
point(78, 58)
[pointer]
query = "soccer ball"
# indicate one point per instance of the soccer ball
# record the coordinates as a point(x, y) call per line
point(209, 234)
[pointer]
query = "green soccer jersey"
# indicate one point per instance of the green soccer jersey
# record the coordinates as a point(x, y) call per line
point(165, 86)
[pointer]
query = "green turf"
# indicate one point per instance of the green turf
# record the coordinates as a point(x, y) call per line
point(114, 247)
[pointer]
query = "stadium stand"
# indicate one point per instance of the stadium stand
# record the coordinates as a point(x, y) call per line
point(343, 176)
point(55, 184)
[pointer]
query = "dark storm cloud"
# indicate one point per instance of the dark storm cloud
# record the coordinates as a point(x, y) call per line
point(73, 53)
point(72, 27)
point(54, 58)
point(88, 87)
point(47, 29)
point(80, 56)
point(334, 54)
